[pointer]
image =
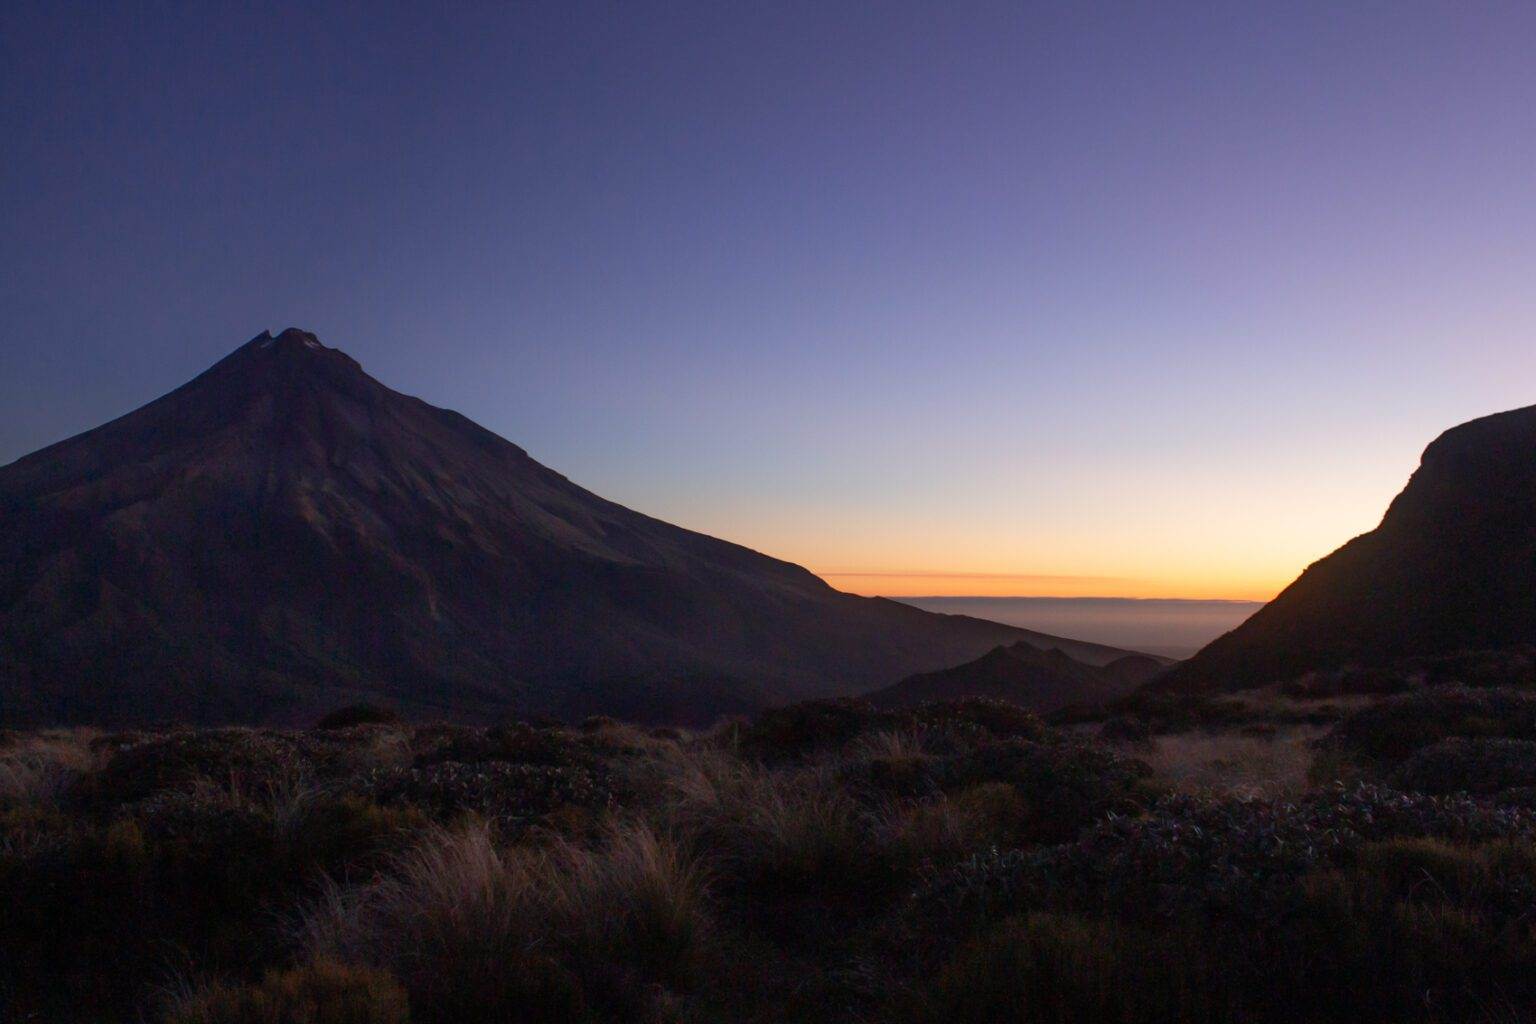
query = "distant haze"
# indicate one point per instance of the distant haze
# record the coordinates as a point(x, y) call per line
point(1172, 628)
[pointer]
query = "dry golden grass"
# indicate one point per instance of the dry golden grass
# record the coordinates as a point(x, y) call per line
point(1232, 764)
point(949, 828)
point(614, 737)
point(792, 824)
point(38, 767)
point(481, 933)
point(888, 745)
point(382, 747)
point(908, 872)
point(1270, 702)
point(317, 993)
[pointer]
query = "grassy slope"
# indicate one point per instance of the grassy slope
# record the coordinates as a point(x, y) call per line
point(958, 862)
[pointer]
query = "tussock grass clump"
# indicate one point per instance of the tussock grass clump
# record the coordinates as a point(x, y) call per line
point(97, 905)
point(38, 770)
point(318, 993)
point(780, 831)
point(482, 933)
point(343, 835)
point(942, 831)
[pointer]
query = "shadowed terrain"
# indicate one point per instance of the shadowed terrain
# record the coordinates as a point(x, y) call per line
point(1042, 680)
point(958, 862)
point(284, 533)
point(1451, 570)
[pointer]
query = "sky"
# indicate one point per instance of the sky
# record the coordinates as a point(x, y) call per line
point(1150, 300)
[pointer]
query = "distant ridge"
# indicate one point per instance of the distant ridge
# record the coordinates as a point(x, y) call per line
point(1041, 680)
point(284, 534)
point(1450, 569)
point(1167, 627)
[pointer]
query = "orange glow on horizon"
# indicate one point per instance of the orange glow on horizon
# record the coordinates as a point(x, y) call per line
point(1240, 535)
point(874, 583)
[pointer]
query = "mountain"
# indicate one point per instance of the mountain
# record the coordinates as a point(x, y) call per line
point(284, 534)
point(1451, 569)
point(1042, 680)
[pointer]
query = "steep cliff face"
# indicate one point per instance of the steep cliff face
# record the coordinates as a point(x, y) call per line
point(284, 533)
point(1451, 568)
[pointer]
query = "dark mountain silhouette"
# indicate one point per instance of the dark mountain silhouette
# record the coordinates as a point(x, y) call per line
point(1451, 569)
point(1042, 680)
point(1131, 671)
point(284, 534)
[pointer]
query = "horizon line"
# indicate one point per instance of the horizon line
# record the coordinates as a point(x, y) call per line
point(1071, 597)
point(1034, 586)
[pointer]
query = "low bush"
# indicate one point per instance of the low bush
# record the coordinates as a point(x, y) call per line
point(513, 796)
point(516, 743)
point(1226, 858)
point(1053, 969)
point(358, 714)
point(1460, 764)
point(941, 831)
point(1064, 784)
point(1403, 929)
point(1166, 712)
point(98, 906)
point(1392, 729)
point(800, 730)
point(346, 835)
point(998, 719)
point(804, 730)
point(245, 761)
point(1127, 729)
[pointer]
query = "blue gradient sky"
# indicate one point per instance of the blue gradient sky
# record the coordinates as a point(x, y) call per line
point(1153, 299)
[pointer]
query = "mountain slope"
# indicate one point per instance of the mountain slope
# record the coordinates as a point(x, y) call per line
point(1451, 568)
point(284, 533)
point(1041, 680)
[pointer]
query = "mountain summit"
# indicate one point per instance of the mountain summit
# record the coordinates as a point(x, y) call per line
point(1450, 570)
point(284, 533)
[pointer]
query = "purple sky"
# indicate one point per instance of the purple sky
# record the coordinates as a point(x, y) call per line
point(1156, 299)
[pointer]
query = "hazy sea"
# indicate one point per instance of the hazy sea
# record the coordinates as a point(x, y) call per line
point(1172, 628)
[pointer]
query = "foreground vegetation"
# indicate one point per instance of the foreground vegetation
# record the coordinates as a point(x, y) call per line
point(1296, 857)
